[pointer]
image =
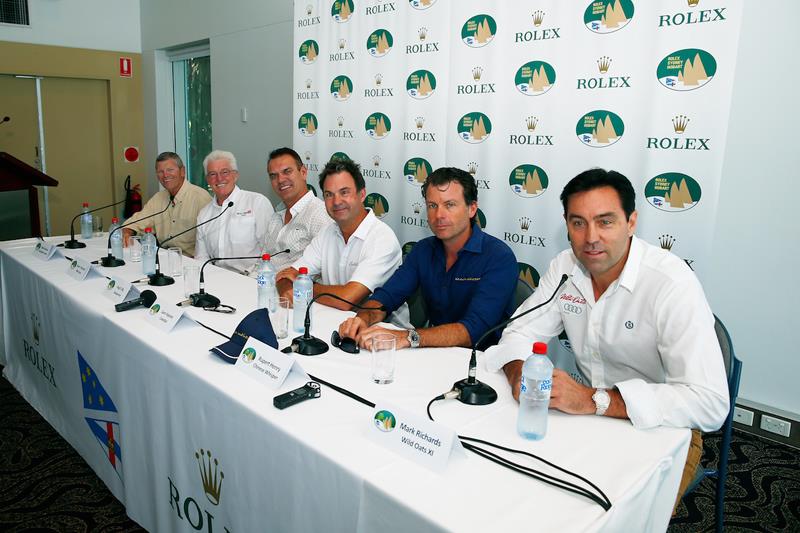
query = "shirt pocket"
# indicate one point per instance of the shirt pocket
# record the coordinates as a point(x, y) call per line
point(242, 229)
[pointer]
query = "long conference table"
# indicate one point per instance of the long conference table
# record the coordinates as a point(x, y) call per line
point(188, 442)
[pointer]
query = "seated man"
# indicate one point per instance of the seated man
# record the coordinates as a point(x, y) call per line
point(182, 200)
point(240, 231)
point(355, 255)
point(467, 276)
point(636, 317)
point(303, 215)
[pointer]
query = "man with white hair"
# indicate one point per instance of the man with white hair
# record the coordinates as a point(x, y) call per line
point(241, 230)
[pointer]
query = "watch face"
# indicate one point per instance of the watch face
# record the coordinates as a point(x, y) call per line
point(413, 338)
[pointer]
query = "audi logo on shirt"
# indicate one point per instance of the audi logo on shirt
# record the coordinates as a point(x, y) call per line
point(572, 308)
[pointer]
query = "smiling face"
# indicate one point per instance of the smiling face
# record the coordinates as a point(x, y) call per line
point(448, 213)
point(221, 178)
point(599, 233)
point(287, 179)
point(170, 175)
point(344, 203)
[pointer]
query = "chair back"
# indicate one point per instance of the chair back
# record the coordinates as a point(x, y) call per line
point(521, 292)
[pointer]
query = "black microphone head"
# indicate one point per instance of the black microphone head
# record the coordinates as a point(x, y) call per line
point(6, 118)
point(148, 298)
point(230, 204)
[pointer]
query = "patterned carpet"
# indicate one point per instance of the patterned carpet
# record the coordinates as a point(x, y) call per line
point(46, 486)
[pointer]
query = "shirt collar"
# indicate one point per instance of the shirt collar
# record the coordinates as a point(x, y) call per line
point(364, 228)
point(628, 276)
point(475, 242)
point(182, 191)
point(300, 204)
point(234, 196)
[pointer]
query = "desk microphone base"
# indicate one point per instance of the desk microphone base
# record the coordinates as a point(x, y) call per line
point(111, 261)
point(160, 280)
point(309, 345)
point(474, 393)
point(73, 244)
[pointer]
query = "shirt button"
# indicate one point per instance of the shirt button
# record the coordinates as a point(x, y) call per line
point(596, 355)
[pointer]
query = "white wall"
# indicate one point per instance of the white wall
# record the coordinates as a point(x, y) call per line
point(753, 284)
point(95, 24)
point(251, 66)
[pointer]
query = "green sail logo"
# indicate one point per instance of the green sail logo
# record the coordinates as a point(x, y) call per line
point(379, 43)
point(599, 128)
point(342, 10)
point(307, 124)
point(378, 203)
point(528, 181)
point(311, 188)
point(474, 127)
point(672, 191)
point(421, 4)
point(607, 16)
point(686, 70)
point(340, 156)
point(385, 421)
point(308, 52)
point(341, 88)
point(480, 218)
point(420, 84)
point(378, 125)
point(416, 170)
point(535, 78)
point(248, 355)
point(478, 31)
point(407, 247)
point(528, 274)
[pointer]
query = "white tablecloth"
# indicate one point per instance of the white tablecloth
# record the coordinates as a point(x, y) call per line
point(180, 415)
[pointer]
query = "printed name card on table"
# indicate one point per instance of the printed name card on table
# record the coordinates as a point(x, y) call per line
point(44, 250)
point(414, 437)
point(79, 268)
point(164, 316)
point(266, 364)
point(117, 289)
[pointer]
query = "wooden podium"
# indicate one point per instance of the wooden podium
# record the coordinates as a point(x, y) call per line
point(16, 175)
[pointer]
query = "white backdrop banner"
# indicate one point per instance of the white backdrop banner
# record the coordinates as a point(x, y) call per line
point(524, 95)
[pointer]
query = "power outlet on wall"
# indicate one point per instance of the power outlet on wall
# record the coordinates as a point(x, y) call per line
point(776, 425)
point(743, 416)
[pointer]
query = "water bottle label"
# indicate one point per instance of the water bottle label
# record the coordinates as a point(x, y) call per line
point(523, 387)
point(545, 385)
point(261, 280)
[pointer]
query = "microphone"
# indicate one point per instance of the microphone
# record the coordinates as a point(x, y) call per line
point(5, 119)
point(146, 299)
point(158, 279)
point(470, 390)
point(72, 243)
point(110, 260)
point(202, 298)
point(307, 344)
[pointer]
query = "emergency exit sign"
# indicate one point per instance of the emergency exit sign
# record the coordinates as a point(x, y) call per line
point(125, 67)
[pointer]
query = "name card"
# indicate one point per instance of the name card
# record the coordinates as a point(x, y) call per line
point(79, 268)
point(416, 438)
point(44, 250)
point(164, 316)
point(266, 364)
point(117, 289)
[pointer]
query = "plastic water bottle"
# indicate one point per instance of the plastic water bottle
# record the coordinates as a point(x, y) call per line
point(302, 293)
point(86, 222)
point(148, 252)
point(116, 238)
point(534, 393)
point(267, 292)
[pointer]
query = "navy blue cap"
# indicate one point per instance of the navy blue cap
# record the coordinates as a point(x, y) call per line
point(257, 325)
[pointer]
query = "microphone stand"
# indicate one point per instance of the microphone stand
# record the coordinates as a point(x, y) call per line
point(470, 390)
point(307, 344)
point(202, 298)
point(158, 279)
point(73, 243)
point(110, 260)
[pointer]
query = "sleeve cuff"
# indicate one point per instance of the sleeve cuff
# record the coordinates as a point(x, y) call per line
point(496, 357)
point(641, 403)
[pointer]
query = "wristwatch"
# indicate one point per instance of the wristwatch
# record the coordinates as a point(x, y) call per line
point(601, 401)
point(413, 338)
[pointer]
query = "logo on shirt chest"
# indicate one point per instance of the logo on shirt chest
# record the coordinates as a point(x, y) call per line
point(467, 278)
point(572, 304)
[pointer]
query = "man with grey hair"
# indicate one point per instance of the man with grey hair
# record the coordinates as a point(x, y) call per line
point(241, 230)
point(181, 199)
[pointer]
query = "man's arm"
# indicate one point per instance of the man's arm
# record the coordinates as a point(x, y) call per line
point(140, 219)
point(454, 334)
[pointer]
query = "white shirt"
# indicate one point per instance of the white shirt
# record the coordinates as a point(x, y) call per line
point(237, 233)
point(309, 218)
point(369, 257)
point(650, 335)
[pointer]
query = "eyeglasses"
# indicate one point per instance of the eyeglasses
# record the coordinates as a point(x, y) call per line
point(222, 174)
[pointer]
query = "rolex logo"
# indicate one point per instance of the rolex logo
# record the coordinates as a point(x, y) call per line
point(531, 123)
point(417, 208)
point(603, 64)
point(378, 80)
point(419, 122)
point(477, 72)
point(472, 168)
point(423, 33)
point(36, 326)
point(342, 42)
point(309, 9)
point(679, 123)
point(340, 121)
point(524, 223)
point(210, 474)
point(307, 156)
point(376, 160)
point(666, 242)
point(308, 83)
point(538, 18)
point(693, 3)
